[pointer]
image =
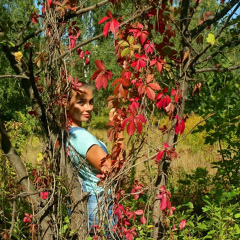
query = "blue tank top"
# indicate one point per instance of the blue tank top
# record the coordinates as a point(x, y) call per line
point(80, 141)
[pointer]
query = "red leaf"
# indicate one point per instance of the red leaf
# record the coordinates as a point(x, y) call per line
point(33, 113)
point(183, 126)
point(129, 214)
point(106, 28)
point(159, 156)
point(100, 65)
point(34, 18)
point(124, 122)
point(150, 93)
point(165, 90)
point(163, 204)
point(130, 128)
point(141, 118)
point(101, 81)
point(176, 98)
point(139, 126)
point(103, 19)
point(95, 74)
point(43, 195)
point(27, 45)
point(166, 145)
point(154, 86)
point(143, 37)
point(86, 61)
point(182, 224)
point(114, 25)
point(139, 212)
point(109, 14)
point(173, 92)
point(143, 220)
point(80, 52)
point(159, 66)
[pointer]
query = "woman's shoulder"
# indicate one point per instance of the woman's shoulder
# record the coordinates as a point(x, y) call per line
point(80, 133)
point(78, 130)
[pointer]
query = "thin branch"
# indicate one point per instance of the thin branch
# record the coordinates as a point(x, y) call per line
point(182, 35)
point(31, 35)
point(195, 80)
point(217, 69)
point(13, 219)
point(26, 194)
point(194, 32)
point(196, 57)
point(219, 50)
point(192, 11)
point(14, 76)
point(183, 16)
point(87, 9)
point(37, 95)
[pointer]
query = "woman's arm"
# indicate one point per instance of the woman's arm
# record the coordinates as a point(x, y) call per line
point(95, 154)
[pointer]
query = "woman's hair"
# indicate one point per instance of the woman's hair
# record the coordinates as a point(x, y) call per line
point(85, 85)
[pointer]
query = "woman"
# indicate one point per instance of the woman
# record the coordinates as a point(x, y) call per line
point(86, 151)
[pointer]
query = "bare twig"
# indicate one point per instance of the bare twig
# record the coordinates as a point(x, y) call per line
point(87, 9)
point(14, 76)
point(194, 32)
point(217, 69)
point(219, 50)
point(13, 219)
point(31, 35)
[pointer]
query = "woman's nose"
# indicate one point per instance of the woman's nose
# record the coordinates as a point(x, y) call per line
point(89, 107)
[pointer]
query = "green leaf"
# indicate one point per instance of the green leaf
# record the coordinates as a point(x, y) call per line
point(211, 39)
point(237, 229)
point(202, 226)
point(237, 215)
point(11, 44)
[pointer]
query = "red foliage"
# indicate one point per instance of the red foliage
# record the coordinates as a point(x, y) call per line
point(28, 218)
point(138, 32)
point(113, 25)
point(133, 120)
point(137, 189)
point(101, 76)
point(34, 17)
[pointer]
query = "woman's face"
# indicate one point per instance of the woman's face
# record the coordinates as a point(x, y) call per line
point(80, 106)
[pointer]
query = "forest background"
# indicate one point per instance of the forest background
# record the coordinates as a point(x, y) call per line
point(181, 133)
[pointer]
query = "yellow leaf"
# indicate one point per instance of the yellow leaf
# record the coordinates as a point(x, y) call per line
point(18, 56)
point(125, 52)
point(211, 39)
point(130, 39)
point(123, 43)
